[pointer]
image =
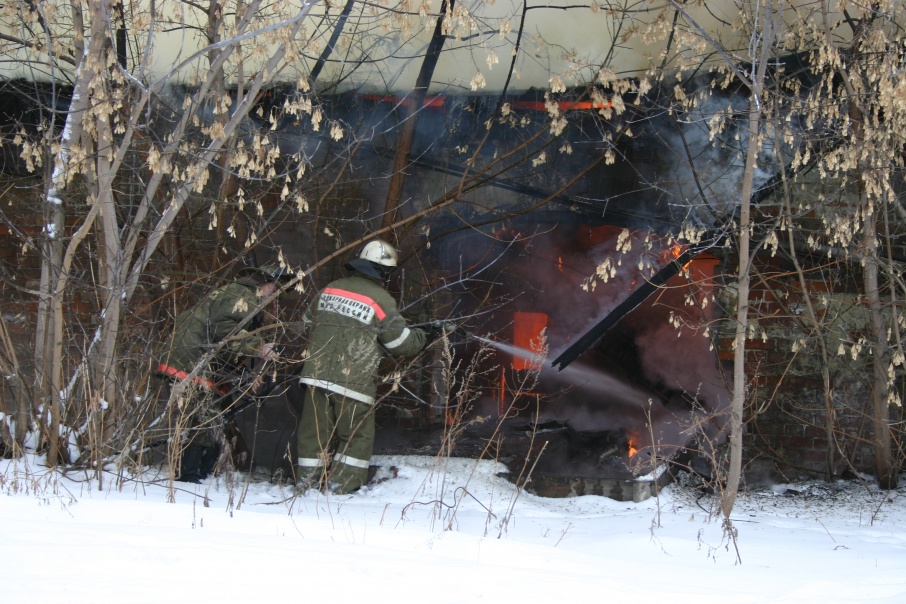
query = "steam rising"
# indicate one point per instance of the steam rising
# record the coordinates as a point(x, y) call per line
point(646, 378)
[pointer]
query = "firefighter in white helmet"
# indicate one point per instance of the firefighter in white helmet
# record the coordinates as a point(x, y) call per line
point(352, 322)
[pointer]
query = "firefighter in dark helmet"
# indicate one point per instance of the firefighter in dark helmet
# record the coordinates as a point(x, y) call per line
point(352, 322)
point(197, 332)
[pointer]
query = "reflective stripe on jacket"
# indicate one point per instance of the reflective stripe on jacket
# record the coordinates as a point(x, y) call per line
point(173, 372)
point(354, 320)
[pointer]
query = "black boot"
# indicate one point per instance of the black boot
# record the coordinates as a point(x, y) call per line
point(198, 462)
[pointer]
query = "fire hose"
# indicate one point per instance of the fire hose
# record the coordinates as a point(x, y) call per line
point(453, 327)
point(448, 327)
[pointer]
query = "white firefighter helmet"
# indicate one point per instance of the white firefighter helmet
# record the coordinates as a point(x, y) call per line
point(379, 252)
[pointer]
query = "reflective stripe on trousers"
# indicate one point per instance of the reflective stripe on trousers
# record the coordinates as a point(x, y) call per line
point(351, 461)
point(332, 423)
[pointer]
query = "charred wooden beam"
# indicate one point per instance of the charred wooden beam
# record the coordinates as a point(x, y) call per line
point(642, 293)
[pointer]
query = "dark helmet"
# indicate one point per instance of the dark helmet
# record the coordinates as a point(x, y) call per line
point(378, 260)
point(269, 273)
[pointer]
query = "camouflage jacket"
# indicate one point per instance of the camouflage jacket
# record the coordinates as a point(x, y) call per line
point(198, 330)
point(352, 322)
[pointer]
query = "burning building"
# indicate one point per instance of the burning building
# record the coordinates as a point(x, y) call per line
point(574, 204)
point(639, 393)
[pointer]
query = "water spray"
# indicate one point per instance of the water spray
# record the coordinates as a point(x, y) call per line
point(522, 353)
point(589, 379)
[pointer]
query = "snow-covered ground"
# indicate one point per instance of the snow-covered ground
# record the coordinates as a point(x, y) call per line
point(439, 531)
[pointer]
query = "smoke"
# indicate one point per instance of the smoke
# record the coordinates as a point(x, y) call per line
point(644, 378)
point(682, 360)
point(576, 275)
point(703, 161)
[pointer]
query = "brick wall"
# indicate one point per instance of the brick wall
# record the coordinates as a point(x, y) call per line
point(790, 423)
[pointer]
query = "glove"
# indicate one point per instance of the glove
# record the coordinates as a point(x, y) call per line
point(437, 328)
point(433, 332)
point(269, 352)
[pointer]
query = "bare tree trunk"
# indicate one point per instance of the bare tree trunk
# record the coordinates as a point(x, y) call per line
point(104, 397)
point(112, 270)
point(49, 323)
point(224, 215)
point(880, 402)
point(48, 334)
point(416, 100)
point(331, 43)
point(737, 404)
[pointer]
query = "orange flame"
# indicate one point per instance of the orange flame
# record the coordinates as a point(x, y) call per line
point(673, 252)
point(632, 449)
point(560, 263)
